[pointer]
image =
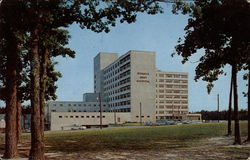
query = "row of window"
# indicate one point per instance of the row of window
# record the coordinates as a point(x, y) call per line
point(172, 75)
point(54, 110)
point(171, 81)
point(172, 96)
point(120, 62)
point(172, 86)
point(115, 72)
point(107, 82)
point(80, 116)
point(174, 91)
point(120, 103)
point(126, 58)
point(172, 102)
point(110, 87)
point(126, 95)
point(171, 112)
point(142, 116)
point(117, 91)
point(121, 110)
point(84, 105)
point(171, 107)
point(171, 91)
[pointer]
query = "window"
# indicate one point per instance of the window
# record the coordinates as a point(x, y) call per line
point(60, 116)
point(93, 116)
point(77, 116)
point(87, 116)
point(71, 116)
point(183, 76)
point(82, 116)
point(161, 112)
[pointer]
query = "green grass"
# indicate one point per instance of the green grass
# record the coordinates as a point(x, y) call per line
point(136, 138)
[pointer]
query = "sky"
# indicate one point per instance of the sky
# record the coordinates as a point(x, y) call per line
point(158, 33)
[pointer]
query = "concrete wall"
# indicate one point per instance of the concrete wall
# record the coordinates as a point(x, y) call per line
point(142, 85)
point(101, 61)
point(193, 117)
point(90, 97)
point(63, 120)
point(73, 106)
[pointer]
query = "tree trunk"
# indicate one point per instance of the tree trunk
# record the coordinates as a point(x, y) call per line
point(229, 124)
point(248, 106)
point(43, 82)
point(237, 139)
point(11, 98)
point(36, 137)
point(19, 119)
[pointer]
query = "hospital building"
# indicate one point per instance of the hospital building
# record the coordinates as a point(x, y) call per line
point(127, 88)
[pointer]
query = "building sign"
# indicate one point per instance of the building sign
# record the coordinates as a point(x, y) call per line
point(142, 77)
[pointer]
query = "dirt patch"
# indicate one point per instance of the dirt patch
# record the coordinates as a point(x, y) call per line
point(217, 148)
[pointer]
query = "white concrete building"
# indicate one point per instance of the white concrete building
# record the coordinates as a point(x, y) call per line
point(129, 86)
point(171, 95)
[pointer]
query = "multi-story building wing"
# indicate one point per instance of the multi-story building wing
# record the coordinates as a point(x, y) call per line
point(101, 61)
point(171, 95)
point(128, 84)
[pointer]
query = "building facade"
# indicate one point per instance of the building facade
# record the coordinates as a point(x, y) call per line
point(171, 95)
point(129, 86)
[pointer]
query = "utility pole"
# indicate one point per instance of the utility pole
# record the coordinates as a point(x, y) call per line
point(114, 115)
point(140, 115)
point(172, 111)
point(100, 103)
point(218, 109)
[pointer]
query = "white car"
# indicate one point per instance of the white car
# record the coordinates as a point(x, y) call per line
point(78, 127)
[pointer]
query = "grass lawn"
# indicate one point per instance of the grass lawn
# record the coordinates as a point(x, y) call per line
point(174, 142)
point(136, 138)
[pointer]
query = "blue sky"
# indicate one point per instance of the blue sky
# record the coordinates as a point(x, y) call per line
point(157, 33)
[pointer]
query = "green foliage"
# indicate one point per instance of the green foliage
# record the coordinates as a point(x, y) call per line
point(221, 29)
point(48, 17)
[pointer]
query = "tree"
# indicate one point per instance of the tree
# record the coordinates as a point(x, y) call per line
point(39, 17)
point(9, 48)
point(215, 27)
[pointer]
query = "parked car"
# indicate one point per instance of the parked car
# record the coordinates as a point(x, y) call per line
point(78, 127)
